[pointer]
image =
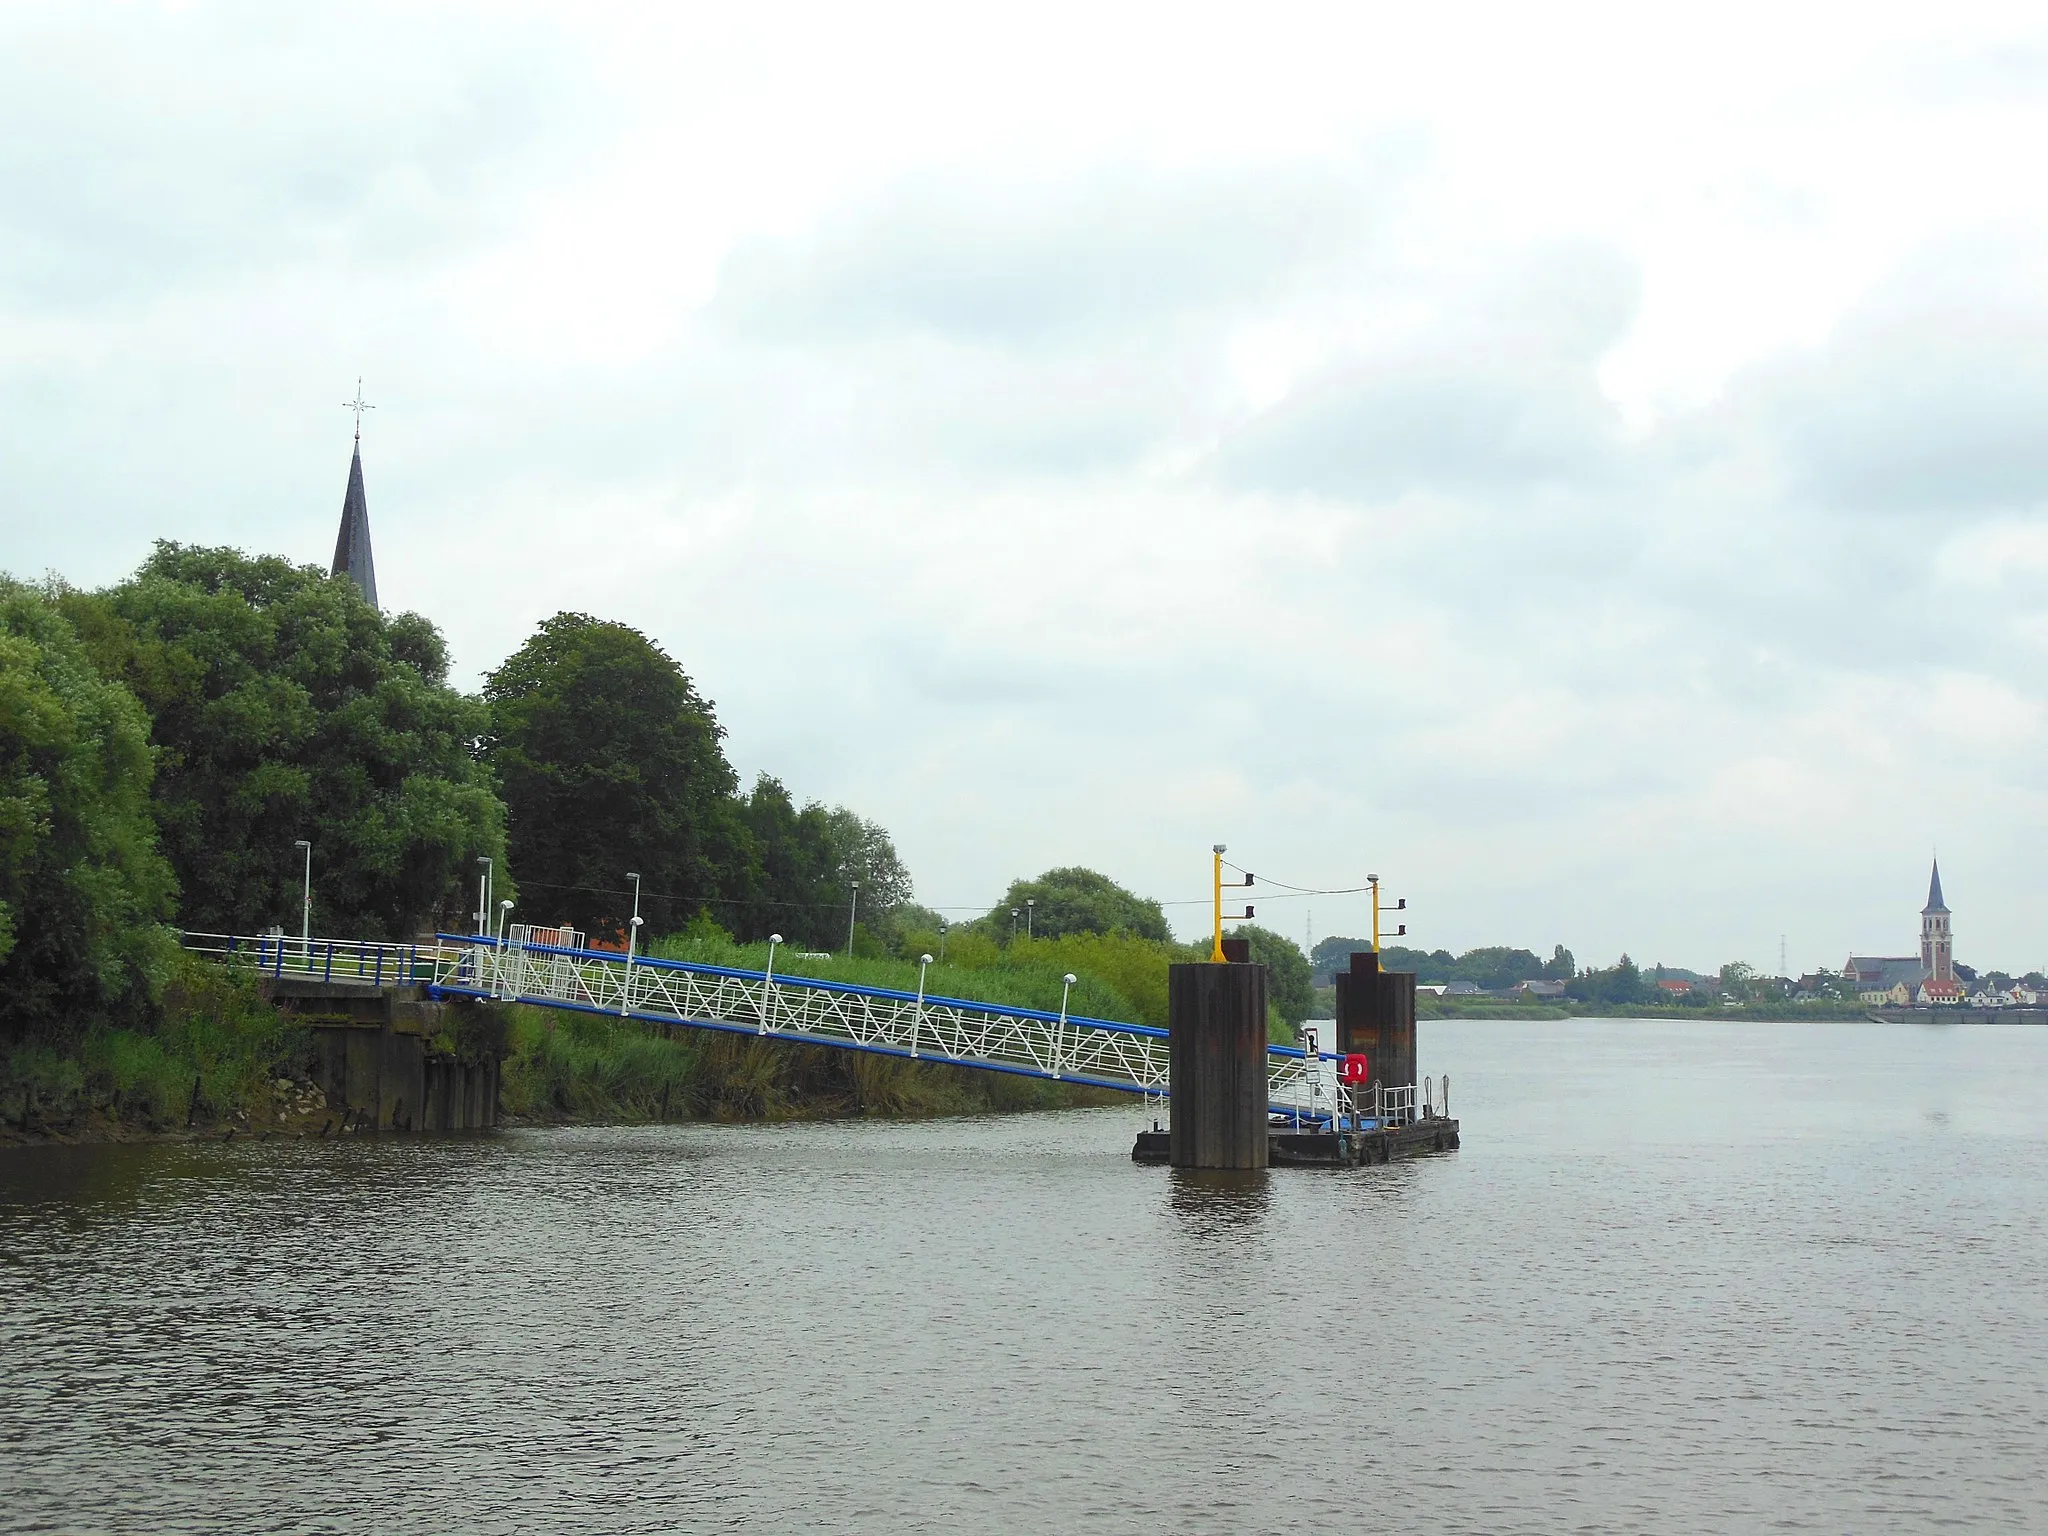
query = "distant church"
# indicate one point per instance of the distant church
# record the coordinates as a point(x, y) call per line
point(352, 548)
point(1902, 980)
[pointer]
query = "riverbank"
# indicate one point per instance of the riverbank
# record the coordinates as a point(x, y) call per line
point(224, 1063)
point(1427, 1007)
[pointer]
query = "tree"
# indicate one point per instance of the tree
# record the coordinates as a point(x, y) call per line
point(1497, 968)
point(1075, 900)
point(283, 706)
point(83, 889)
point(1561, 966)
point(794, 887)
point(1290, 986)
point(863, 854)
point(1623, 983)
point(609, 761)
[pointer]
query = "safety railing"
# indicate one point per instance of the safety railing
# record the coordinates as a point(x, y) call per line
point(803, 1009)
point(314, 959)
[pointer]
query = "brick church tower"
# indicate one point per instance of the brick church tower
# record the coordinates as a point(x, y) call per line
point(1937, 956)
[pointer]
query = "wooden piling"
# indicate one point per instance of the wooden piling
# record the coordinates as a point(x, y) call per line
point(1376, 1016)
point(1216, 1018)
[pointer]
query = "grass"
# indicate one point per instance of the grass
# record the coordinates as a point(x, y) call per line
point(214, 1047)
point(563, 1066)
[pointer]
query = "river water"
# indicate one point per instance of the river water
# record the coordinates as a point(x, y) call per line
point(1681, 1277)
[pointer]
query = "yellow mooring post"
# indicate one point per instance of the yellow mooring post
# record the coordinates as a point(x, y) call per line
point(1216, 950)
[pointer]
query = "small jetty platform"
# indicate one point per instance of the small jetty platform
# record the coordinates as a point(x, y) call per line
point(1306, 1148)
point(1237, 1102)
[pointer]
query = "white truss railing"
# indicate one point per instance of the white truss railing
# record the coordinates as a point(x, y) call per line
point(809, 1011)
point(799, 1009)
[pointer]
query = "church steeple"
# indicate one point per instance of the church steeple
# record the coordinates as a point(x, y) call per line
point(1934, 901)
point(1937, 943)
point(352, 548)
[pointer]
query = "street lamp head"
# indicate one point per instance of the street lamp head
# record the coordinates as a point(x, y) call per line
point(638, 921)
point(1218, 848)
point(632, 875)
point(302, 843)
point(1372, 879)
point(774, 938)
point(484, 859)
point(1070, 978)
point(505, 905)
point(925, 959)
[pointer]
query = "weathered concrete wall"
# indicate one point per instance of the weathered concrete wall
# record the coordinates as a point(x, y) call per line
point(374, 1056)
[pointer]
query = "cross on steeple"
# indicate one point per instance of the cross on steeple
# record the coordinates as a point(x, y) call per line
point(358, 405)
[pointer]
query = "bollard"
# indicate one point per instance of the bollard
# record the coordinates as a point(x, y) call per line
point(1216, 1021)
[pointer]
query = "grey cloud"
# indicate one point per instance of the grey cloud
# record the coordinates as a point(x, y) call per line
point(1504, 397)
point(1020, 267)
point(1929, 399)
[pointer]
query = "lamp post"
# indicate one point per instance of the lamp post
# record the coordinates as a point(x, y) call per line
point(942, 941)
point(483, 895)
point(632, 938)
point(768, 979)
point(852, 910)
point(626, 992)
point(1030, 906)
point(1059, 1039)
point(306, 904)
point(1014, 915)
point(504, 921)
point(917, 1019)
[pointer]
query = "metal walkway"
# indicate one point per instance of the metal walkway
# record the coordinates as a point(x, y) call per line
point(803, 1010)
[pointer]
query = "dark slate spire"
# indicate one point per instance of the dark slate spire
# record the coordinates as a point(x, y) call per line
point(1934, 902)
point(352, 548)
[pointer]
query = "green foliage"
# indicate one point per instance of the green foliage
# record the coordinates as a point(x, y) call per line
point(213, 1033)
point(580, 1066)
point(1289, 987)
point(609, 761)
point(283, 706)
point(1492, 968)
point(1620, 985)
point(795, 882)
point(83, 889)
point(1075, 900)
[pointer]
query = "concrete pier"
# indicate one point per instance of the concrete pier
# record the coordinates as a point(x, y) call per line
point(379, 1053)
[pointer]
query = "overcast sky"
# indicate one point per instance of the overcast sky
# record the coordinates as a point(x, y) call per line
point(1585, 465)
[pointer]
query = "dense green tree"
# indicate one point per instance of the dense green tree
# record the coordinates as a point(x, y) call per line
point(83, 889)
point(1492, 968)
point(1289, 987)
point(792, 885)
point(1561, 966)
point(1075, 900)
point(284, 706)
point(1620, 984)
point(609, 761)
